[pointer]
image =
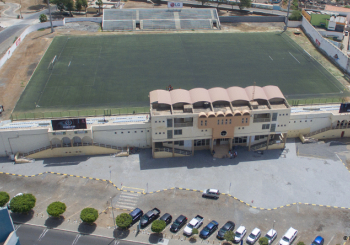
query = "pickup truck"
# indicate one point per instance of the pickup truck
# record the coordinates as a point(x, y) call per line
point(195, 223)
point(150, 216)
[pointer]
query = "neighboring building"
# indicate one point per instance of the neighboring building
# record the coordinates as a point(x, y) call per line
point(7, 230)
point(329, 20)
point(182, 122)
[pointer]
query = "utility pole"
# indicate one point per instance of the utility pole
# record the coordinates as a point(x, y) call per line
point(48, 5)
point(285, 27)
point(20, 8)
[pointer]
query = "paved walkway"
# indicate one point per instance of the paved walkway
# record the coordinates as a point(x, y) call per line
point(272, 179)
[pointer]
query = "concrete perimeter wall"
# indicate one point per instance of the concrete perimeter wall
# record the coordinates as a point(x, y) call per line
point(234, 19)
point(335, 55)
point(30, 29)
point(91, 19)
point(294, 24)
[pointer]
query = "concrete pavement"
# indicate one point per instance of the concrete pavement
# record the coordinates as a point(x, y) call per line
point(282, 175)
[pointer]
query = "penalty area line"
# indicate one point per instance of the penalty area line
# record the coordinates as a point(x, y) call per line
point(294, 57)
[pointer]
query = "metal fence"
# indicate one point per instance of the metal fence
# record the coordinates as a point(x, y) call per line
point(316, 101)
point(78, 113)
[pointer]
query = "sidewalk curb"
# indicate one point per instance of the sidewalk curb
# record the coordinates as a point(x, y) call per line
point(96, 235)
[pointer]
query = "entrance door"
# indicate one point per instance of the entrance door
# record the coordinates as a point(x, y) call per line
point(342, 134)
point(217, 141)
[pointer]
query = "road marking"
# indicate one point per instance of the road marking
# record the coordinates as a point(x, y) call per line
point(43, 234)
point(76, 239)
point(294, 57)
point(330, 240)
point(270, 58)
point(122, 203)
point(69, 63)
point(17, 226)
point(127, 207)
point(129, 194)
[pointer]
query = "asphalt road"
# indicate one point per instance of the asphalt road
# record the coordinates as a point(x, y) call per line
point(30, 235)
point(8, 35)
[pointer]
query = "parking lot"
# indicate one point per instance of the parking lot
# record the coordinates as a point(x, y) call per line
point(310, 221)
point(78, 193)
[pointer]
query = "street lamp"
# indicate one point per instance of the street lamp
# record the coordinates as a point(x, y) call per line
point(273, 226)
point(113, 214)
point(48, 5)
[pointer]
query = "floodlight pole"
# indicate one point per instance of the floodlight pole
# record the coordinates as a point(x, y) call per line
point(285, 27)
point(48, 5)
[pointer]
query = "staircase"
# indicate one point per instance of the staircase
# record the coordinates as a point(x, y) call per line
point(170, 150)
point(262, 145)
point(318, 131)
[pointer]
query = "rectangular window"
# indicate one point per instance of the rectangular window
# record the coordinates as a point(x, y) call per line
point(265, 117)
point(207, 142)
point(218, 122)
point(176, 142)
point(246, 120)
point(274, 117)
point(183, 122)
point(222, 121)
point(265, 126)
point(181, 143)
point(170, 134)
point(178, 132)
point(273, 128)
point(169, 123)
point(226, 121)
point(201, 122)
point(242, 120)
point(205, 123)
point(230, 121)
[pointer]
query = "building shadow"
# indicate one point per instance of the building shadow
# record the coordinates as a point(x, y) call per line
point(121, 233)
point(154, 238)
point(87, 228)
point(53, 222)
point(63, 161)
point(22, 218)
point(204, 159)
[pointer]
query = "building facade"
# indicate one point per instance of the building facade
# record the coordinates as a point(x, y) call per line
point(182, 122)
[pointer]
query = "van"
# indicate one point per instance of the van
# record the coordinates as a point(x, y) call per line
point(289, 237)
point(136, 215)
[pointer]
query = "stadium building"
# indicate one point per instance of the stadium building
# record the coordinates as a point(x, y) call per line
point(179, 123)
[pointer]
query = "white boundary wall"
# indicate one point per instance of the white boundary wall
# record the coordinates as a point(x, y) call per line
point(28, 30)
point(324, 45)
point(294, 24)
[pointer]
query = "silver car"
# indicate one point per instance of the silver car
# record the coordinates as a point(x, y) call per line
point(211, 193)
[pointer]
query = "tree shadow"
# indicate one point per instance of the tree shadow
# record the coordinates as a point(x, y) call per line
point(154, 238)
point(22, 218)
point(36, 7)
point(121, 233)
point(87, 228)
point(53, 222)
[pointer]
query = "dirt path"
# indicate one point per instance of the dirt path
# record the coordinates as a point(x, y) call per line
point(29, 6)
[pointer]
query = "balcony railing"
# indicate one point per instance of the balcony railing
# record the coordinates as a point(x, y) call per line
point(181, 125)
point(257, 120)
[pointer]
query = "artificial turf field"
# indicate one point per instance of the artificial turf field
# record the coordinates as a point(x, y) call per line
point(119, 71)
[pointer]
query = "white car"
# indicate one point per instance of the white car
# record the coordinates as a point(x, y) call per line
point(271, 235)
point(289, 237)
point(256, 233)
point(240, 233)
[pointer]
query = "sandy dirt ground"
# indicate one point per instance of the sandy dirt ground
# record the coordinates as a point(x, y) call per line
point(29, 6)
point(16, 73)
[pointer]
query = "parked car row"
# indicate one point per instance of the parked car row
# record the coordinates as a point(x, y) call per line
point(209, 229)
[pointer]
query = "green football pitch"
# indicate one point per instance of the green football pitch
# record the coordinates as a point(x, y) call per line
point(119, 71)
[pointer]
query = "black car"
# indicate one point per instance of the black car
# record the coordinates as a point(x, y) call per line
point(149, 217)
point(136, 215)
point(229, 226)
point(167, 218)
point(178, 223)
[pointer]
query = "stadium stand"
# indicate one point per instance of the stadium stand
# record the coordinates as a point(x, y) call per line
point(160, 19)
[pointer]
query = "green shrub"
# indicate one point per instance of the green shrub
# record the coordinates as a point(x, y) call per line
point(89, 215)
point(22, 204)
point(123, 220)
point(194, 231)
point(4, 198)
point(300, 243)
point(264, 241)
point(158, 226)
point(43, 18)
point(55, 209)
point(229, 236)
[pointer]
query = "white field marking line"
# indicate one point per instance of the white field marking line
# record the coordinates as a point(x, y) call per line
point(270, 58)
point(125, 203)
point(307, 53)
point(71, 205)
point(128, 207)
point(43, 234)
point(338, 157)
point(294, 57)
point(331, 239)
point(69, 63)
point(130, 194)
point(129, 197)
point(76, 239)
point(43, 201)
point(12, 190)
